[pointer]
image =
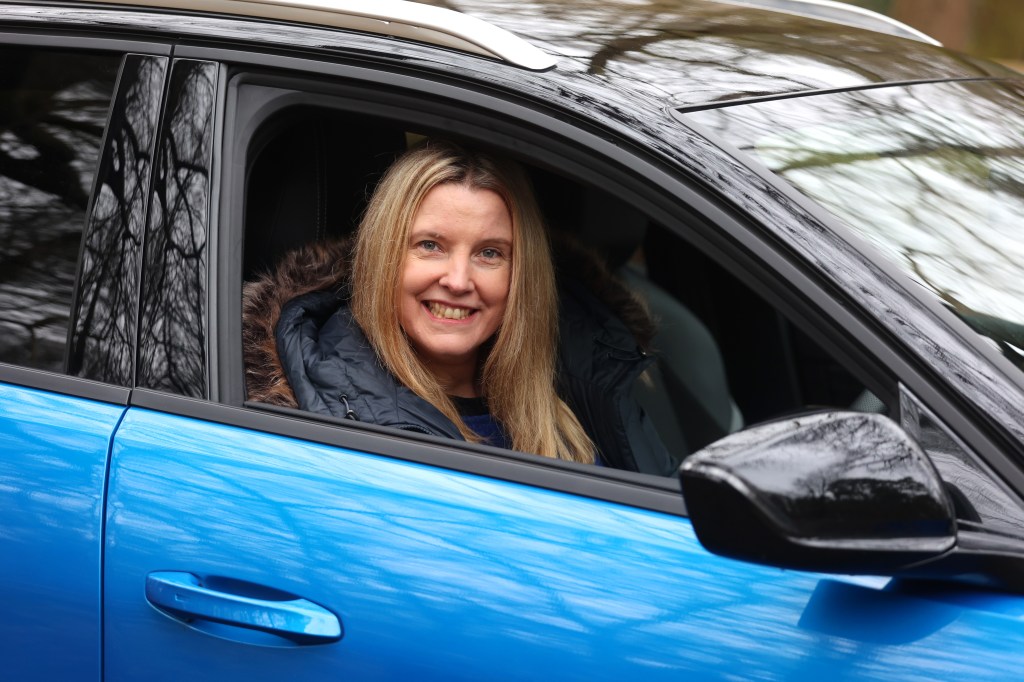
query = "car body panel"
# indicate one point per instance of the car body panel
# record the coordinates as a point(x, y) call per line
point(440, 574)
point(51, 495)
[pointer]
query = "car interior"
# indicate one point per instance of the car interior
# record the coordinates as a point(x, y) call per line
point(725, 357)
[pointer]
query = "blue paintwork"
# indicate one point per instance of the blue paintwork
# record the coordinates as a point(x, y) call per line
point(440, 574)
point(53, 453)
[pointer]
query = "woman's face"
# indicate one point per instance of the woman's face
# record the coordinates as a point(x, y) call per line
point(455, 280)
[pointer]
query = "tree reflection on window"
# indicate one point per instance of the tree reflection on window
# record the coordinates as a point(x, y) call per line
point(172, 330)
point(53, 109)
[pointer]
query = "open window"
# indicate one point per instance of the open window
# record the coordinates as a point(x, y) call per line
point(309, 173)
point(726, 356)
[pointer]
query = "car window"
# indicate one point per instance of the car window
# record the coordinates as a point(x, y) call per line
point(723, 356)
point(932, 174)
point(104, 318)
point(53, 109)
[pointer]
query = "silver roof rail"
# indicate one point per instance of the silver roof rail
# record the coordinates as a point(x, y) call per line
point(424, 23)
point(841, 13)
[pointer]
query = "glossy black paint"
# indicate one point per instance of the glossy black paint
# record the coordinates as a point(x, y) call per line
point(103, 329)
point(699, 53)
point(839, 492)
point(174, 326)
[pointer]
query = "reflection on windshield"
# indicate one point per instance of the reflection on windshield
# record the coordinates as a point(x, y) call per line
point(932, 174)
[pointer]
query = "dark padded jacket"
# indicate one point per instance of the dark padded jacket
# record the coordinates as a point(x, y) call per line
point(303, 349)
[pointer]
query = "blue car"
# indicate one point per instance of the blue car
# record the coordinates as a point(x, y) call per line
point(820, 208)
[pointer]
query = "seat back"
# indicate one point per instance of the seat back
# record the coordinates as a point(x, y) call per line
point(309, 175)
point(686, 393)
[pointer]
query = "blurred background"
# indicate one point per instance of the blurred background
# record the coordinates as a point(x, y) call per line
point(986, 28)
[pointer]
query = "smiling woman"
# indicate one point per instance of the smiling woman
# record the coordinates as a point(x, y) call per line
point(448, 324)
point(452, 239)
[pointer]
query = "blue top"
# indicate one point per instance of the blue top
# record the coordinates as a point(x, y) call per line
point(488, 428)
point(480, 421)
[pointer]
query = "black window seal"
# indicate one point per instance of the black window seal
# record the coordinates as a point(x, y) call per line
point(359, 98)
point(378, 101)
point(63, 384)
point(292, 94)
point(56, 39)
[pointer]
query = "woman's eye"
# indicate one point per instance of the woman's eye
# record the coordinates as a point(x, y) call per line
point(490, 254)
point(428, 245)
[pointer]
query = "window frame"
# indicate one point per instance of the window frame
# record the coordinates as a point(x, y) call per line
point(581, 150)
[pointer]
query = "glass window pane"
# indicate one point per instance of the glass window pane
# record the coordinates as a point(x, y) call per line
point(932, 174)
point(53, 109)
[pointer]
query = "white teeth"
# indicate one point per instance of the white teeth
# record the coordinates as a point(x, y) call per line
point(446, 313)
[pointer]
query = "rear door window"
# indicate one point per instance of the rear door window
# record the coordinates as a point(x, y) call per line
point(53, 110)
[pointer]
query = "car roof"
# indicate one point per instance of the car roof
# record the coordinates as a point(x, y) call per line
point(666, 53)
point(705, 52)
point(411, 20)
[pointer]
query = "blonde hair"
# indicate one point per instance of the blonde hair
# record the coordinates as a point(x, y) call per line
point(518, 373)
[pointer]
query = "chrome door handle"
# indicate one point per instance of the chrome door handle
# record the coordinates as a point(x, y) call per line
point(184, 597)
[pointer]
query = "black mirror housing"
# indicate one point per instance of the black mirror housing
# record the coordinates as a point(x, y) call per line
point(837, 492)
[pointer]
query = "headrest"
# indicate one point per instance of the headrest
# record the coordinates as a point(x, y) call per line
point(595, 218)
point(612, 227)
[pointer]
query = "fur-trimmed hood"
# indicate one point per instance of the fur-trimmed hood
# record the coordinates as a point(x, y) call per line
point(320, 266)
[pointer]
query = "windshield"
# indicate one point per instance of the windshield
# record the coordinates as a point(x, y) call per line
point(932, 174)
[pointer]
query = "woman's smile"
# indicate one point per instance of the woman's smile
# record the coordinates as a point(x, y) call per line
point(448, 312)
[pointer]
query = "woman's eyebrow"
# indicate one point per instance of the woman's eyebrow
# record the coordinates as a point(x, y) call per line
point(498, 240)
point(425, 233)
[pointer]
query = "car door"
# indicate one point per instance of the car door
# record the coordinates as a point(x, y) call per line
point(64, 108)
point(273, 548)
point(244, 540)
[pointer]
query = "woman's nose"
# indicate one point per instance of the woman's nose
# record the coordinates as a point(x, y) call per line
point(457, 276)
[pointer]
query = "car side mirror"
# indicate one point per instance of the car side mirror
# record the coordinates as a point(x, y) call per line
point(838, 492)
